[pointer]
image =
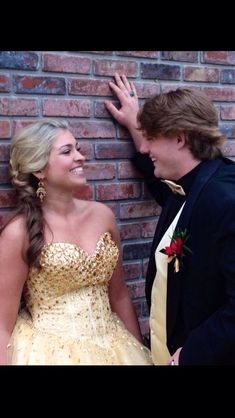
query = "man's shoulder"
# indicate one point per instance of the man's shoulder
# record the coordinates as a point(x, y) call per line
point(222, 184)
point(228, 163)
point(226, 172)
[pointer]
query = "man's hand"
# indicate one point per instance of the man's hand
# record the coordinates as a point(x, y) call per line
point(126, 93)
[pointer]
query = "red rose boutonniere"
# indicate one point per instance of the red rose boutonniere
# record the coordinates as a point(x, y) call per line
point(176, 249)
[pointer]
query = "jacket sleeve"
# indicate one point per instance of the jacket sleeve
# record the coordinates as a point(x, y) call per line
point(157, 189)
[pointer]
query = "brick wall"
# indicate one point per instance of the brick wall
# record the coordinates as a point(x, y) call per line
point(73, 85)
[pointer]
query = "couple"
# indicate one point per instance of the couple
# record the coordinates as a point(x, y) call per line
point(78, 308)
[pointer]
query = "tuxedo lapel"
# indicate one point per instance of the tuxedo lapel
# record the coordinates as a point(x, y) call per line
point(175, 279)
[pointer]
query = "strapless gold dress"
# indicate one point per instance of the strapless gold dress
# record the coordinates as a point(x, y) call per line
point(68, 320)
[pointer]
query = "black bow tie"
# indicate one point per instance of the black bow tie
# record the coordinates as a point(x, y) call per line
point(176, 188)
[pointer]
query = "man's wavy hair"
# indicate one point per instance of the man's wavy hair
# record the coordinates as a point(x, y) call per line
point(187, 111)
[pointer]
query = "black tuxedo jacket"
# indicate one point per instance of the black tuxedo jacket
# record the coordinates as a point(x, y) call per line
point(201, 296)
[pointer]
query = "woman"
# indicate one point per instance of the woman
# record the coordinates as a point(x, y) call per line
point(64, 254)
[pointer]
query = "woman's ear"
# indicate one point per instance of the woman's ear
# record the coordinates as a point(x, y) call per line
point(38, 174)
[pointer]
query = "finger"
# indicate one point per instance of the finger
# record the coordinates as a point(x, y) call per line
point(122, 83)
point(133, 87)
point(121, 94)
point(126, 82)
point(112, 109)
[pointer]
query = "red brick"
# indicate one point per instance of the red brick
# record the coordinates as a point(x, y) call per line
point(137, 288)
point(110, 67)
point(114, 208)
point(85, 192)
point(145, 266)
point(229, 148)
point(19, 60)
point(145, 311)
point(39, 85)
point(67, 107)
point(160, 71)
point(220, 93)
point(4, 174)
point(4, 152)
point(228, 130)
point(227, 76)
point(146, 90)
point(5, 85)
point(5, 129)
point(123, 133)
point(139, 209)
point(228, 112)
point(115, 150)
point(7, 198)
point(20, 123)
point(100, 171)
point(190, 56)
point(91, 129)
point(87, 150)
point(126, 170)
point(141, 54)
point(138, 307)
point(144, 325)
point(116, 191)
point(130, 231)
point(66, 63)
point(148, 228)
point(19, 107)
point(132, 271)
point(219, 57)
point(215, 57)
point(209, 75)
point(231, 57)
point(89, 87)
point(101, 111)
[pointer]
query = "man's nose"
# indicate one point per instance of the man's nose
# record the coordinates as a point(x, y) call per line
point(144, 148)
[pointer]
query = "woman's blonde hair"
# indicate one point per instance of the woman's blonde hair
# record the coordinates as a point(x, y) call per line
point(29, 153)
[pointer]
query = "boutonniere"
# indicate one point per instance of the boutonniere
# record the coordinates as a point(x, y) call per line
point(177, 247)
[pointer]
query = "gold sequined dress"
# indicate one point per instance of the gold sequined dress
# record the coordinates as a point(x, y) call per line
point(68, 319)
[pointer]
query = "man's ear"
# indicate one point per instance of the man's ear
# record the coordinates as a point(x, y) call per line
point(181, 141)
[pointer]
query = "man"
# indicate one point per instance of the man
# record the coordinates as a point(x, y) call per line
point(190, 283)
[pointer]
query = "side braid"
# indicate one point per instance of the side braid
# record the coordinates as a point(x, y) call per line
point(30, 207)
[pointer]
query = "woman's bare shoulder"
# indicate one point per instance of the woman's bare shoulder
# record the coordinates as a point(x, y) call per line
point(15, 230)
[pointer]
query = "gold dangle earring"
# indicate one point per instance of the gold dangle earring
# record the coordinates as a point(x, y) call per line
point(41, 192)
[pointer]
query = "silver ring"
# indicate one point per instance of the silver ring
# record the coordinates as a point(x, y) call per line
point(131, 93)
point(172, 362)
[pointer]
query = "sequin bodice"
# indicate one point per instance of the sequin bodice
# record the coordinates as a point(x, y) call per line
point(69, 295)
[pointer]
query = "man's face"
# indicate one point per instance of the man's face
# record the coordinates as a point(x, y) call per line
point(165, 153)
